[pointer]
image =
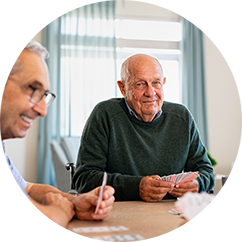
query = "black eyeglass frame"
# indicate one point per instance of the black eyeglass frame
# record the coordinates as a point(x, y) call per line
point(44, 94)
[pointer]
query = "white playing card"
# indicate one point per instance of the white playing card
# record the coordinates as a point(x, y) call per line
point(99, 229)
point(124, 237)
point(101, 191)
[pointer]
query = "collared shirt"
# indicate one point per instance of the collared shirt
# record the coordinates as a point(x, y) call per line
point(132, 112)
point(12, 185)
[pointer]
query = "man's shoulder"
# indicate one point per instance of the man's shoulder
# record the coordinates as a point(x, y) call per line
point(110, 105)
point(176, 109)
point(173, 107)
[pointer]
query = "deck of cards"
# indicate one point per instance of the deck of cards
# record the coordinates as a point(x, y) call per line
point(203, 209)
point(180, 178)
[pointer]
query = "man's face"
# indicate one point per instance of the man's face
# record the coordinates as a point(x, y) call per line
point(144, 92)
point(17, 112)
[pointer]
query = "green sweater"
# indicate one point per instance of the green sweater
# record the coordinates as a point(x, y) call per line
point(129, 149)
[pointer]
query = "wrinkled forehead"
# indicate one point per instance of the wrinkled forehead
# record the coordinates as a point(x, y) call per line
point(144, 66)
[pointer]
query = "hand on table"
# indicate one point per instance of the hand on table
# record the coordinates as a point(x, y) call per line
point(180, 189)
point(189, 233)
point(61, 202)
point(152, 190)
point(85, 204)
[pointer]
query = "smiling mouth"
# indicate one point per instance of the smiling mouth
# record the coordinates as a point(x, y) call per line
point(151, 101)
point(26, 119)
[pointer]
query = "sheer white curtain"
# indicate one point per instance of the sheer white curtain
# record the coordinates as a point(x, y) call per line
point(82, 68)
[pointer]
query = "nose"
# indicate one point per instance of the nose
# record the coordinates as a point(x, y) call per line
point(41, 108)
point(150, 91)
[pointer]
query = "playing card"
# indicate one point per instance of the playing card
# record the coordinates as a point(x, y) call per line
point(190, 177)
point(101, 191)
point(99, 229)
point(179, 178)
point(124, 237)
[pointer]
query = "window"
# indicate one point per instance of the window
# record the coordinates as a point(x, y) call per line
point(160, 39)
point(87, 54)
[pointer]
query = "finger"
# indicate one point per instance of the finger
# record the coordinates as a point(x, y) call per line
point(96, 216)
point(182, 192)
point(105, 209)
point(109, 191)
point(159, 190)
point(149, 181)
point(107, 203)
point(178, 192)
point(151, 197)
point(187, 185)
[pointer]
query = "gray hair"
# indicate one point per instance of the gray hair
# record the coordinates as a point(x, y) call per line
point(126, 73)
point(9, 64)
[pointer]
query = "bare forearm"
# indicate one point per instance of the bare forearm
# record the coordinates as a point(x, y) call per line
point(38, 191)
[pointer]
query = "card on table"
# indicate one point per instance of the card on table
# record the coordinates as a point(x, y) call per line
point(98, 229)
point(203, 209)
point(100, 198)
point(123, 237)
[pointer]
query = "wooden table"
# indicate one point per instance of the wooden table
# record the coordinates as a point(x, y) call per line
point(146, 219)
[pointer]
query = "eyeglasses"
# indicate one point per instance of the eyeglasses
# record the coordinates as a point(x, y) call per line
point(38, 93)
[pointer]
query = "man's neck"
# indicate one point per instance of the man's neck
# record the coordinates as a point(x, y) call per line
point(147, 118)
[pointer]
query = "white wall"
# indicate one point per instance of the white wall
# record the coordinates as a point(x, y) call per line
point(23, 18)
point(224, 111)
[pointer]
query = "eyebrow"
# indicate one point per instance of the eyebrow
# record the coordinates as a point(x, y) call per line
point(156, 79)
point(38, 84)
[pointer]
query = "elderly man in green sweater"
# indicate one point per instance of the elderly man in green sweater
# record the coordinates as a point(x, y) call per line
point(141, 137)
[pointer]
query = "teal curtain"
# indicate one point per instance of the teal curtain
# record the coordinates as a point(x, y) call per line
point(82, 67)
point(193, 76)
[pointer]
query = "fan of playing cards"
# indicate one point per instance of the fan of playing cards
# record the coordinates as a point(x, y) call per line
point(180, 178)
point(202, 209)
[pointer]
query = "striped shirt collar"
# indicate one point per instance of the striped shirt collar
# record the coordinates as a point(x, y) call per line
point(132, 112)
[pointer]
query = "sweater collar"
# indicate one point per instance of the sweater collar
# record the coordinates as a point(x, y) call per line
point(132, 112)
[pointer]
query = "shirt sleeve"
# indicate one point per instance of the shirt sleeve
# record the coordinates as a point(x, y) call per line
point(12, 184)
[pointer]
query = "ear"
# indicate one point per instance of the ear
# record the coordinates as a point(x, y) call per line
point(164, 80)
point(121, 86)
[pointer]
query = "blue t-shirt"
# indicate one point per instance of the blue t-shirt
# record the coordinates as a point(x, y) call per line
point(12, 185)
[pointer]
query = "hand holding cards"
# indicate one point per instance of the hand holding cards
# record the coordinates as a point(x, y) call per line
point(102, 189)
point(202, 209)
point(180, 178)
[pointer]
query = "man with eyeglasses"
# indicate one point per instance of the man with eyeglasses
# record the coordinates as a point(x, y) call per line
point(26, 97)
point(140, 138)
